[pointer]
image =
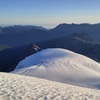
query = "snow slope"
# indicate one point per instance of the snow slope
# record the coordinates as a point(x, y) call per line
point(18, 87)
point(62, 66)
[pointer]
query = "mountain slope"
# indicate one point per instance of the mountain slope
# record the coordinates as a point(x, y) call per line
point(66, 29)
point(80, 43)
point(13, 55)
point(63, 66)
point(17, 87)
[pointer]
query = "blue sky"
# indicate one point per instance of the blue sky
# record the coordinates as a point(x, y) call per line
point(49, 13)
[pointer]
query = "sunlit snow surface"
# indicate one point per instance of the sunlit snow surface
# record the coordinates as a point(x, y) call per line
point(62, 66)
point(18, 87)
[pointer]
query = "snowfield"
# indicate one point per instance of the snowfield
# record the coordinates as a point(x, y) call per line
point(62, 66)
point(19, 87)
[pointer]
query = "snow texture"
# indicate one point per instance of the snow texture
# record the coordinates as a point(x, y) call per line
point(62, 66)
point(19, 87)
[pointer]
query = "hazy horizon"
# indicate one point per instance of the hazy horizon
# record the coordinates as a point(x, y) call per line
point(44, 26)
point(49, 13)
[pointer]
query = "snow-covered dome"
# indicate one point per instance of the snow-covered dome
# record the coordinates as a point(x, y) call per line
point(61, 65)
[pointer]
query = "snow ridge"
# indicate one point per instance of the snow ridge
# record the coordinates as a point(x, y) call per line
point(62, 66)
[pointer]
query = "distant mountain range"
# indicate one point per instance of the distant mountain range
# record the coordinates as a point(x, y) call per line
point(18, 29)
point(15, 41)
point(91, 29)
point(22, 35)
